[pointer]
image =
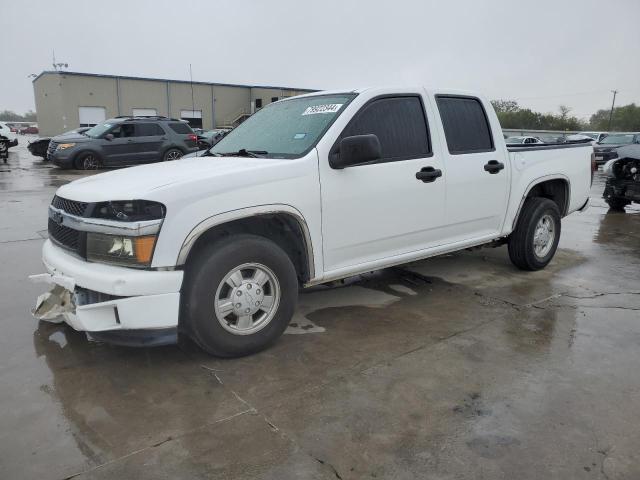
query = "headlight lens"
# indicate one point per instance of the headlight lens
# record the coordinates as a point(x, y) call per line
point(64, 146)
point(129, 210)
point(120, 250)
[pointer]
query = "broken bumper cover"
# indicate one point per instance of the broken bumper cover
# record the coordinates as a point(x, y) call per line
point(105, 298)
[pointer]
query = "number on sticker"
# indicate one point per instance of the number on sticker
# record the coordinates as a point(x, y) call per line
point(328, 108)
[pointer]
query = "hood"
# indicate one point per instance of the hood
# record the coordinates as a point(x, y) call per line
point(154, 181)
point(608, 147)
point(71, 137)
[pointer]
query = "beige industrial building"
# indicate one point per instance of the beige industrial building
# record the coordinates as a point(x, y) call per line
point(67, 100)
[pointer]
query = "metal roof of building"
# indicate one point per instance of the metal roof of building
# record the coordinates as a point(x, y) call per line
point(123, 77)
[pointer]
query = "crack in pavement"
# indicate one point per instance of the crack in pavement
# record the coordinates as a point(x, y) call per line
point(155, 445)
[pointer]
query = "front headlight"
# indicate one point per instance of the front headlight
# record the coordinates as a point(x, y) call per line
point(64, 146)
point(120, 250)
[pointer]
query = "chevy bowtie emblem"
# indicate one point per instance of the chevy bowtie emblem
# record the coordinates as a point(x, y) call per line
point(57, 217)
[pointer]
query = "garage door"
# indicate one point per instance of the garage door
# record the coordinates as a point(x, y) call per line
point(90, 116)
point(144, 112)
point(194, 117)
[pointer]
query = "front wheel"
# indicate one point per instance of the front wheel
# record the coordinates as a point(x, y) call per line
point(87, 161)
point(240, 294)
point(535, 239)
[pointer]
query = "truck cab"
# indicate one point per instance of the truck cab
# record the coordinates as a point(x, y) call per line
point(308, 190)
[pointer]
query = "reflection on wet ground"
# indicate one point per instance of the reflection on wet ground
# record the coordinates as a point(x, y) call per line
point(455, 367)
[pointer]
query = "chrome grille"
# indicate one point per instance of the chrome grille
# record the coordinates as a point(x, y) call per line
point(69, 206)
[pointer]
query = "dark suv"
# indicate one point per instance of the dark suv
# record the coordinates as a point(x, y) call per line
point(124, 141)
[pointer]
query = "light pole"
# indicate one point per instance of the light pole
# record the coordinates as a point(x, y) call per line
point(615, 92)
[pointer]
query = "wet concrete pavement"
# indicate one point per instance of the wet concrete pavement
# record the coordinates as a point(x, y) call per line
point(455, 367)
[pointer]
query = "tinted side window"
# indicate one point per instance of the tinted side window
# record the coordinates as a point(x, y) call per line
point(465, 124)
point(180, 127)
point(148, 130)
point(398, 122)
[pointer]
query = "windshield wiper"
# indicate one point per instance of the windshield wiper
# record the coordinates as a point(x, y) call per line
point(245, 153)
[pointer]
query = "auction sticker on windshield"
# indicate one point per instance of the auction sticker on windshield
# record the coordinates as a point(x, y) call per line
point(329, 108)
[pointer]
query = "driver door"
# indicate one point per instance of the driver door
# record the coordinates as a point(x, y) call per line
point(376, 211)
point(120, 149)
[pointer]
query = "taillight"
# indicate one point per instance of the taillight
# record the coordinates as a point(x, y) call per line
point(594, 166)
point(193, 137)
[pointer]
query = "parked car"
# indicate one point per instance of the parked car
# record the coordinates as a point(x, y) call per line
point(307, 190)
point(522, 140)
point(623, 178)
point(124, 141)
point(11, 140)
point(209, 138)
point(606, 149)
point(597, 136)
point(40, 145)
point(28, 130)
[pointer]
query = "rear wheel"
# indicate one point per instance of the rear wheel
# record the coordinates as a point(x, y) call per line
point(87, 161)
point(172, 154)
point(534, 242)
point(239, 295)
point(618, 204)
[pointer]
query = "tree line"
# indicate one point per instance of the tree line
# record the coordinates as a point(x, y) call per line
point(512, 115)
point(10, 116)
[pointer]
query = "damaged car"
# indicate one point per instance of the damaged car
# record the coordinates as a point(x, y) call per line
point(623, 178)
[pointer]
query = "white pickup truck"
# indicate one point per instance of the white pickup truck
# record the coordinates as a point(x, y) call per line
point(308, 190)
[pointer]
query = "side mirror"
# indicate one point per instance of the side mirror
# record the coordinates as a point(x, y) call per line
point(356, 150)
point(109, 136)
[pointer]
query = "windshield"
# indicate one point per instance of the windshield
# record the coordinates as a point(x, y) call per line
point(617, 139)
point(285, 129)
point(589, 134)
point(98, 130)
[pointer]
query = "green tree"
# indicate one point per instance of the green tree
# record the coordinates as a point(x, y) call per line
point(624, 119)
point(511, 115)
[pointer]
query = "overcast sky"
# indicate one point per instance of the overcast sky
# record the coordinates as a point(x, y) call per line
point(541, 53)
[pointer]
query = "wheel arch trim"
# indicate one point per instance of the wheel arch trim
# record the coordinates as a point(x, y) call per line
point(538, 181)
point(248, 212)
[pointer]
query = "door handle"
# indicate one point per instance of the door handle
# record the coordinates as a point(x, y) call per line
point(493, 167)
point(428, 174)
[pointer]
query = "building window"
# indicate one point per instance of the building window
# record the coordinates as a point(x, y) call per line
point(274, 99)
point(258, 103)
point(144, 112)
point(91, 116)
point(194, 117)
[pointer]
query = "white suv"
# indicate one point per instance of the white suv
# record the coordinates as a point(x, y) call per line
point(6, 132)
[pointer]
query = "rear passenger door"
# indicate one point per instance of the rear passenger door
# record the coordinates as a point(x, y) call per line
point(374, 211)
point(149, 138)
point(478, 173)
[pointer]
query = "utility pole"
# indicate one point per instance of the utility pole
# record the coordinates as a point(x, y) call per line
point(615, 92)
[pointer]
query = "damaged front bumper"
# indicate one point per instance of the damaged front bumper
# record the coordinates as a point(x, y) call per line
point(105, 299)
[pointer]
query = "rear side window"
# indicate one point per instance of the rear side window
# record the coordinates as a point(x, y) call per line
point(148, 130)
point(180, 127)
point(465, 125)
point(398, 122)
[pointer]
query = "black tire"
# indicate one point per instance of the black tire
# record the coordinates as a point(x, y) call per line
point(617, 203)
point(87, 161)
point(522, 250)
point(204, 277)
point(172, 154)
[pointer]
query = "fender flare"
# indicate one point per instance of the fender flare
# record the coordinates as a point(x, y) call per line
point(232, 215)
point(538, 181)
